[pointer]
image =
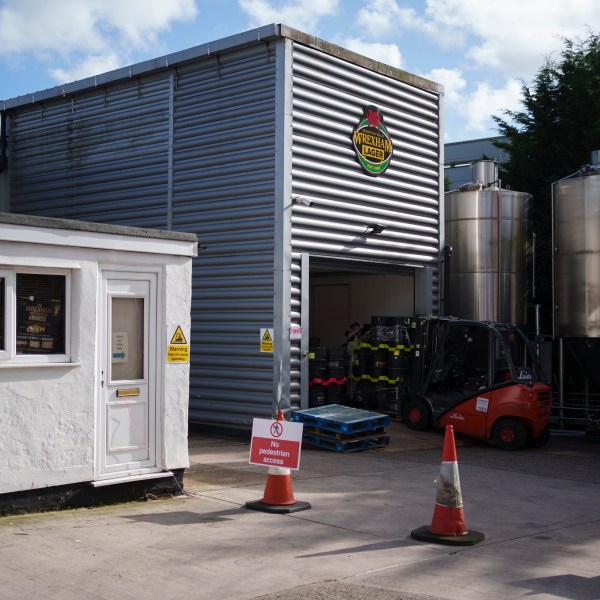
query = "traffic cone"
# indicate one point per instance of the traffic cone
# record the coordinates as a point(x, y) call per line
point(278, 496)
point(448, 524)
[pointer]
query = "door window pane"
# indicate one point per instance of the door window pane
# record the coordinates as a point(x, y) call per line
point(127, 345)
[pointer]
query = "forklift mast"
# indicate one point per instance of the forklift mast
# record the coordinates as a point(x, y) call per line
point(473, 354)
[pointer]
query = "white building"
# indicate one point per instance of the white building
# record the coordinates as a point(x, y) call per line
point(94, 359)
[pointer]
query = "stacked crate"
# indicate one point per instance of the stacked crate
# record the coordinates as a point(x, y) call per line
point(343, 428)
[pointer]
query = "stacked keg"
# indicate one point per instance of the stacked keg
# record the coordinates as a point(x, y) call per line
point(328, 375)
point(382, 363)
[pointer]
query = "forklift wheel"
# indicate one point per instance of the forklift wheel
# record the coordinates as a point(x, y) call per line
point(509, 434)
point(417, 416)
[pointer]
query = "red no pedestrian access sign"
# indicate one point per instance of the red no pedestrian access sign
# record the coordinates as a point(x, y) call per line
point(276, 443)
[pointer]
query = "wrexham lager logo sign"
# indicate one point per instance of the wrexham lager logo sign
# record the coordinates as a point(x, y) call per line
point(372, 142)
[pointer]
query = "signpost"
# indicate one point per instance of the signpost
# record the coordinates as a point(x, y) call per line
point(276, 443)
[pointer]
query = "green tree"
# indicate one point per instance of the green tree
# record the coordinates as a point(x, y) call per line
point(552, 137)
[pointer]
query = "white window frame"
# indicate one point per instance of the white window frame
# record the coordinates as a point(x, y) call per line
point(8, 355)
point(9, 310)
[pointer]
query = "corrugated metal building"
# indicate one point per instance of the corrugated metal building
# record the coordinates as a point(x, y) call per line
point(248, 142)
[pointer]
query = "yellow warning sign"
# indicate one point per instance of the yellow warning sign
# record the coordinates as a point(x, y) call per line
point(178, 337)
point(178, 348)
point(266, 340)
point(178, 354)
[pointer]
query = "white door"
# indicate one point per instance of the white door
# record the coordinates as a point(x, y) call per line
point(127, 412)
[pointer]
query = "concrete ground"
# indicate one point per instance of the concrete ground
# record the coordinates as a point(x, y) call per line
point(539, 511)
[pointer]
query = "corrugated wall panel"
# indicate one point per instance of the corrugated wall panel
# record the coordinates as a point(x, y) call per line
point(203, 146)
point(101, 155)
point(223, 190)
point(191, 148)
point(329, 96)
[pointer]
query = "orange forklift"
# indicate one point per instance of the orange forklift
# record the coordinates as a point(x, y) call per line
point(483, 378)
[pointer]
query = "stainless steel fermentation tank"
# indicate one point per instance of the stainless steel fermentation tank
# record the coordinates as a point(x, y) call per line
point(489, 231)
point(576, 269)
point(576, 243)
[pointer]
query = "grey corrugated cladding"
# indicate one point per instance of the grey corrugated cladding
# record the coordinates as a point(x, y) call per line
point(217, 140)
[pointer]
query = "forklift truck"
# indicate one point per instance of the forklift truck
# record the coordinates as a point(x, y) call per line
point(483, 378)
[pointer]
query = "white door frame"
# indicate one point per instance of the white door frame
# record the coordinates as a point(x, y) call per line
point(131, 420)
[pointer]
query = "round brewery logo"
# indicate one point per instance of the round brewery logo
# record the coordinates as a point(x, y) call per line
point(372, 142)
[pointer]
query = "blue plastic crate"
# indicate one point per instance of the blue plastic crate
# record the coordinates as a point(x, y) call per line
point(342, 419)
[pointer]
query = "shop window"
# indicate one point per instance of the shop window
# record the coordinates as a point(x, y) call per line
point(33, 316)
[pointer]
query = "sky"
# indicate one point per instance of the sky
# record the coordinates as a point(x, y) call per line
point(482, 51)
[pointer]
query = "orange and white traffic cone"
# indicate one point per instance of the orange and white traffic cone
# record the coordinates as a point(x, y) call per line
point(448, 524)
point(278, 496)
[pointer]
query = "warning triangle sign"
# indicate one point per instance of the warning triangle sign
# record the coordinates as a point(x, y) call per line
point(178, 337)
point(266, 336)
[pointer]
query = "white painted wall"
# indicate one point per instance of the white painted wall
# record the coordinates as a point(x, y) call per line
point(175, 393)
point(47, 412)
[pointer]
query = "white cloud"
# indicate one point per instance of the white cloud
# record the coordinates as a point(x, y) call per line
point(382, 17)
point(91, 65)
point(90, 32)
point(487, 47)
point(512, 36)
point(388, 54)
point(454, 84)
point(300, 14)
point(306, 14)
point(485, 101)
point(391, 17)
point(476, 104)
